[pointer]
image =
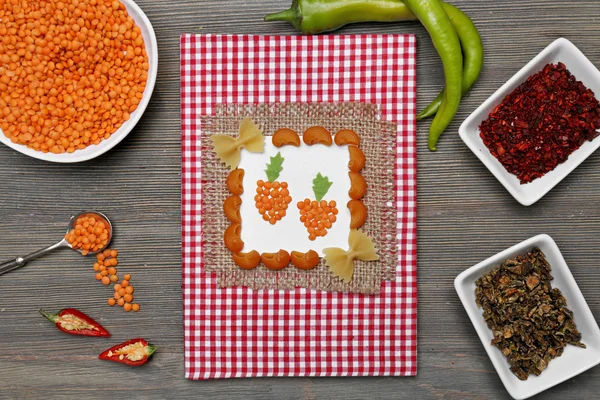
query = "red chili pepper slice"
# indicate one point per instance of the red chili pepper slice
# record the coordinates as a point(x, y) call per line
point(134, 352)
point(74, 322)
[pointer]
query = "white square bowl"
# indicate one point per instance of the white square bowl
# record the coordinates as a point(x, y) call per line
point(561, 50)
point(574, 360)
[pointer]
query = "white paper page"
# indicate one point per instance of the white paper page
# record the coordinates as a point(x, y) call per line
point(300, 166)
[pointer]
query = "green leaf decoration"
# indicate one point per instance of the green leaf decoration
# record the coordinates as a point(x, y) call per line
point(321, 185)
point(274, 167)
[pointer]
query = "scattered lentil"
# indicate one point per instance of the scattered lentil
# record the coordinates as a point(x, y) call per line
point(123, 292)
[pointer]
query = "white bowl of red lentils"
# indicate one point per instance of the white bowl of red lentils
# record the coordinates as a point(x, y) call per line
point(75, 76)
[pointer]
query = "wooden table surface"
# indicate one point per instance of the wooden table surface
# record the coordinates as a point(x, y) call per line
point(465, 215)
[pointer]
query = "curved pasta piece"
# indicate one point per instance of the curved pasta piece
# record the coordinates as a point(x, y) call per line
point(276, 261)
point(358, 213)
point(341, 262)
point(317, 135)
point(305, 261)
point(357, 159)
point(247, 260)
point(347, 136)
point(228, 148)
point(358, 186)
point(235, 181)
point(231, 208)
point(232, 238)
point(286, 137)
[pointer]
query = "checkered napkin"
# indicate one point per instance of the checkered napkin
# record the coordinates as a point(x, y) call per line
point(237, 332)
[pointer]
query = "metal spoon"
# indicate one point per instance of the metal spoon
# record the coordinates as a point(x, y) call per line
point(21, 261)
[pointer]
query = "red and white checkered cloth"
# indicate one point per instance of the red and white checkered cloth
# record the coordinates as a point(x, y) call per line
point(237, 332)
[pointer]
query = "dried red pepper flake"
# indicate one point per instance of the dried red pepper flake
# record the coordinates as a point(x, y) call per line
point(541, 123)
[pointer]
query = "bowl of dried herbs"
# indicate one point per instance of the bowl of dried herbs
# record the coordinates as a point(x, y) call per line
point(530, 316)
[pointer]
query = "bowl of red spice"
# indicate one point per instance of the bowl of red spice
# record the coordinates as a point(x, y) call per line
point(75, 77)
point(541, 124)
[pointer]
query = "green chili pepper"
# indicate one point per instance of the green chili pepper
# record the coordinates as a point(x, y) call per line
point(316, 16)
point(472, 48)
point(445, 40)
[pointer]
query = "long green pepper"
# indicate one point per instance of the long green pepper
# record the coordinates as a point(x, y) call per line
point(317, 16)
point(472, 49)
point(447, 26)
point(445, 40)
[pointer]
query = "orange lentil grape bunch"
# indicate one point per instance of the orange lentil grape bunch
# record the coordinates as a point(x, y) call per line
point(71, 72)
point(89, 234)
point(107, 273)
point(317, 216)
point(272, 200)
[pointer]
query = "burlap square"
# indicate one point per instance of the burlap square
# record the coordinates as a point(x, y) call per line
point(378, 142)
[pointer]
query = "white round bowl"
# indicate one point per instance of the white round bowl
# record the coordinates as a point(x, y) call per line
point(94, 151)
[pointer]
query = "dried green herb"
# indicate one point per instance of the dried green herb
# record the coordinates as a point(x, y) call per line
point(274, 168)
point(530, 321)
point(321, 185)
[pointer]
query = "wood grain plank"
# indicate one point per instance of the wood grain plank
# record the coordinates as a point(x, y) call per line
point(465, 215)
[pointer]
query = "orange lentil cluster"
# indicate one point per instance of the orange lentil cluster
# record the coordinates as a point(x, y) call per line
point(89, 234)
point(317, 216)
point(106, 272)
point(105, 266)
point(272, 200)
point(71, 72)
